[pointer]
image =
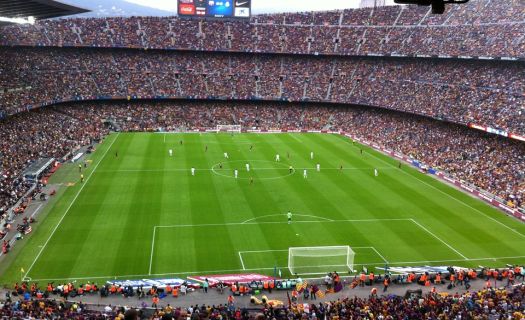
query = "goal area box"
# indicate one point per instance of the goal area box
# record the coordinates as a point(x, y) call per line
point(229, 128)
point(320, 260)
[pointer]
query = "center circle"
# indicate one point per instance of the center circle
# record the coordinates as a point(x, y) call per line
point(272, 169)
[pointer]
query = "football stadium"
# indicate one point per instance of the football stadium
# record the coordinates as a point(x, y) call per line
point(252, 160)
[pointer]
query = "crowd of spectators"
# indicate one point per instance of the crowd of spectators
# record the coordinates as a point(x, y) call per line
point(493, 301)
point(487, 161)
point(484, 304)
point(486, 93)
point(479, 28)
point(28, 136)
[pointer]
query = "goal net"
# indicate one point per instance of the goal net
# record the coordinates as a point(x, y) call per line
point(229, 128)
point(320, 260)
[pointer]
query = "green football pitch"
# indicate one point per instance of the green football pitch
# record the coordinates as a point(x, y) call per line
point(141, 213)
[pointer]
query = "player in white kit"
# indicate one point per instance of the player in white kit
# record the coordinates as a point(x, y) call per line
point(277, 158)
point(305, 174)
point(226, 155)
point(376, 173)
point(312, 155)
point(171, 152)
point(318, 167)
point(247, 167)
point(192, 171)
point(236, 173)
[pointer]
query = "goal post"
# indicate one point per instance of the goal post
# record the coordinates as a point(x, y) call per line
point(320, 260)
point(229, 128)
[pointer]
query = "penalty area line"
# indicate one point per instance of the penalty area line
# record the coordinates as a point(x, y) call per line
point(445, 193)
point(242, 262)
point(438, 238)
point(379, 254)
point(152, 249)
point(70, 205)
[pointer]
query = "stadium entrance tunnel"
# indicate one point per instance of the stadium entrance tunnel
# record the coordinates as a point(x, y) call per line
point(256, 169)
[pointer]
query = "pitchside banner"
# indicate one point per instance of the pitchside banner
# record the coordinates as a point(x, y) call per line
point(423, 269)
point(159, 283)
point(230, 279)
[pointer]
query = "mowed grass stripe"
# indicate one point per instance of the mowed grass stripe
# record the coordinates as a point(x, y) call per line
point(436, 187)
point(254, 198)
point(302, 195)
point(356, 186)
point(453, 219)
point(94, 222)
point(178, 201)
point(116, 219)
point(132, 242)
point(51, 257)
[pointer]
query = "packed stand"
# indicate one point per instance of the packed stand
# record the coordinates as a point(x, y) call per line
point(486, 93)
point(29, 136)
point(478, 28)
point(501, 297)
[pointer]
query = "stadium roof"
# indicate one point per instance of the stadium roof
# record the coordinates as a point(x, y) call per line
point(39, 9)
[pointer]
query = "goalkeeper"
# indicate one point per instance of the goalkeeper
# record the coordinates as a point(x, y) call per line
point(289, 216)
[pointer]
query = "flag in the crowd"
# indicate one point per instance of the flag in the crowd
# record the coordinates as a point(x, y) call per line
point(320, 294)
point(301, 286)
point(22, 270)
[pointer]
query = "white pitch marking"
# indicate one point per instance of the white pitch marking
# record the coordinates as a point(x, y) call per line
point(379, 254)
point(283, 214)
point(281, 267)
point(70, 205)
point(214, 169)
point(441, 240)
point(276, 222)
point(152, 249)
point(451, 196)
point(242, 262)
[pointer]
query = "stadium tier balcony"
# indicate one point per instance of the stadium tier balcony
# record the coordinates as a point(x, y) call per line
point(479, 28)
point(484, 93)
